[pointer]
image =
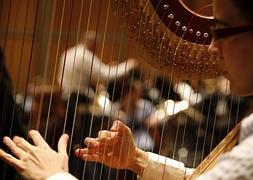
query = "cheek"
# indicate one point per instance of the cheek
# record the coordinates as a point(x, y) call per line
point(231, 62)
point(238, 62)
point(238, 59)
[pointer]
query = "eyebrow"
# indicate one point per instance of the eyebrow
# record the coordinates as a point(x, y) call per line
point(218, 21)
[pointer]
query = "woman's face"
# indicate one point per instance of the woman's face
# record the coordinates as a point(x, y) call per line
point(236, 51)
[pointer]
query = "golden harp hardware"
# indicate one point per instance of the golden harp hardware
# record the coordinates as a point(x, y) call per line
point(172, 35)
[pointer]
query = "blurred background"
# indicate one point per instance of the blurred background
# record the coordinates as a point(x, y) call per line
point(183, 120)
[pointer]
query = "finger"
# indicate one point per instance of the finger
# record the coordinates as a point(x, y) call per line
point(119, 127)
point(108, 141)
point(80, 152)
point(9, 159)
point(104, 150)
point(107, 137)
point(23, 144)
point(87, 154)
point(99, 150)
point(38, 140)
point(103, 134)
point(91, 142)
point(12, 146)
point(93, 157)
point(62, 144)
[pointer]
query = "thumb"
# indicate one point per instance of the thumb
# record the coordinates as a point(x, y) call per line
point(119, 127)
point(62, 144)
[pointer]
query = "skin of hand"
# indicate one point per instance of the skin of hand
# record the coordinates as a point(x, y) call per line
point(114, 148)
point(36, 161)
point(133, 63)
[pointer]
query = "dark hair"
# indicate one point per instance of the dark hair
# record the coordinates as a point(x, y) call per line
point(245, 7)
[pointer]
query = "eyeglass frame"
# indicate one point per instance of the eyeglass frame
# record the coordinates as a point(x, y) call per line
point(221, 33)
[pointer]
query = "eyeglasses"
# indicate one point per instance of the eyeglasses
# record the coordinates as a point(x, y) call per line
point(220, 33)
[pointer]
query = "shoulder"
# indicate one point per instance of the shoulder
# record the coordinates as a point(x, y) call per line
point(235, 164)
point(246, 127)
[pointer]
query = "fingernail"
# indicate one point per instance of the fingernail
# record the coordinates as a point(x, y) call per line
point(4, 139)
point(78, 152)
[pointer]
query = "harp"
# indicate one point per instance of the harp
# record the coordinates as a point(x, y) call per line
point(164, 33)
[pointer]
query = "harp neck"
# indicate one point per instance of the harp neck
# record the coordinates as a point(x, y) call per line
point(224, 146)
point(170, 37)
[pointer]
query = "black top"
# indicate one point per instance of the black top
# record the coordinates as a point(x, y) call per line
point(10, 117)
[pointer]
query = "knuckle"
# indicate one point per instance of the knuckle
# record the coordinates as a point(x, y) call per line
point(33, 133)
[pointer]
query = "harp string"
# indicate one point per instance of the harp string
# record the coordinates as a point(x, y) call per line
point(172, 71)
point(199, 129)
point(44, 77)
point(1, 75)
point(107, 84)
point(63, 68)
point(200, 122)
point(197, 141)
point(111, 117)
point(64, 64)
point(30, 64)
point(79, 84)
point(98, 79)
point(92, 115)
point(2, 67)
point(81, 75)
point(19, 70)
point(45, 72)
point(215, 120)
point(167, 31)
point(162, 88)
point(56, 60)
point(237, 112)
point(33, 91)
point(184, 131)
point(127, 110)
point(46, 69)
point(123, 25)
point(97, 83)
point(171, 79)
point(206, 128)
point(186, 120)
point(172, 66)
point(7, 26)
point(138, 39)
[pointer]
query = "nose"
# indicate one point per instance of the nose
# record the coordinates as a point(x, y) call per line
point(214, 49)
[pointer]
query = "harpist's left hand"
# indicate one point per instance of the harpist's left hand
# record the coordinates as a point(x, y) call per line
point(36, 161)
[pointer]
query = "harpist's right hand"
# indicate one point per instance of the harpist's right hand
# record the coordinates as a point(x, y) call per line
point(114, 148)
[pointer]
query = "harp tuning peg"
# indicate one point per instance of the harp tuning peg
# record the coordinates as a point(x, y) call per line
point(206, 35)
point(171, 16)
point(198, 33)
point(177, 23)
point(184, 28)
point(166, 6)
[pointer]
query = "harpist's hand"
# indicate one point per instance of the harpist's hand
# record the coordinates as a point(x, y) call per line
point(114, 148)
point(37, 161)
